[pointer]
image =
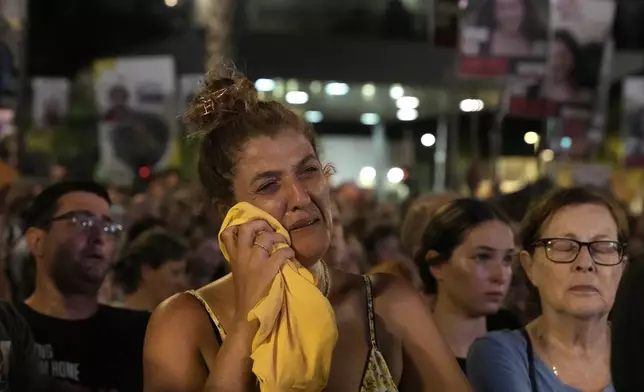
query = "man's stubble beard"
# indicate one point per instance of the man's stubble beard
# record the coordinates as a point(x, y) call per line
point(69, 278)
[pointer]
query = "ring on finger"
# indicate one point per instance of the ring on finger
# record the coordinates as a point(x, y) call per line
point(261, 246)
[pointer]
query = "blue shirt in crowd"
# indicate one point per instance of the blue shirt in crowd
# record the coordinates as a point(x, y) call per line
point(498, 362)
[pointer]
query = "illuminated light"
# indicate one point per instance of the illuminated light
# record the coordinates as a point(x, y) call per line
point(547, 155)
point(171, 3)
point(314, 116)
point(297, 97)
point(407, 114)
point(265, 85)
point(466, 105)
point(144, 172)
point(531, 138)
point(367, 177)
point(471, 105)
point(428, 140)
point(395, 175)
point(566, 142)
point(370, 119)
point(367, 174)
point(368, 90)
point(336, 88)
point(407, 103)
point(396, 91)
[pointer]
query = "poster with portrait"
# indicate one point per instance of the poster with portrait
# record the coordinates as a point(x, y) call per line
point(633, 121)
point(11, 15)
point(137, 126)
point(578, 74)
point(504, 39)
point(50, 101)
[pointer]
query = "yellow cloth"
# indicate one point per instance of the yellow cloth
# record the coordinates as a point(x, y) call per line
point(297, 333)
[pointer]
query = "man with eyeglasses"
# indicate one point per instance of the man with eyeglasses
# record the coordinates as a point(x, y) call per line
point(84, 345)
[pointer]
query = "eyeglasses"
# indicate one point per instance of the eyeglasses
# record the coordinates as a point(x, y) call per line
point(566, 250)
point(85, 222)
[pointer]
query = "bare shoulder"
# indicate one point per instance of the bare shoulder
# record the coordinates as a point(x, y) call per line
point(397, 302)
point(178, 341)
point(187, 313)
point(182, 314)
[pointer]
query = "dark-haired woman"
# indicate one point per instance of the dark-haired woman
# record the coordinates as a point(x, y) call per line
point(264, 154)
point(562, 79)
point(466, 261)
point(516, 28)
point(573, 254)
point(152, 269)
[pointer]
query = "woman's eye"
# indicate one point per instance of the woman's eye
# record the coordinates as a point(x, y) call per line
point(311, 169)
point(267, 187)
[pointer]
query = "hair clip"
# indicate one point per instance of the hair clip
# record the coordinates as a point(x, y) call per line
point(208, 106)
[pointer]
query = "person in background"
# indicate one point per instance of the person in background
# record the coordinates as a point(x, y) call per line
point(200, 270)
point(110, 292)
point(465, 260)
point(175, 209)
point(141, 226)
point(171, 178)
point(573, 245)
point(84, 345)
point(385, 255)
point(151, 269)
point(627, 324)
point(337, 255)
point(417, 216)
point(18, 360)
point(356, 253)
point(383, 244)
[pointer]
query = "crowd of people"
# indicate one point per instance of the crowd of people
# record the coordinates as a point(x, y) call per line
point(181, 288)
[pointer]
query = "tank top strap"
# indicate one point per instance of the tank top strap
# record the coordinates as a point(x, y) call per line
point(219, 330)
point(370, 312)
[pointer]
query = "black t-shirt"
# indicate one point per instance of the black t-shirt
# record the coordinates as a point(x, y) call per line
point(101, 353)
point(18, 361)
point(503, 319)
point(627, 356)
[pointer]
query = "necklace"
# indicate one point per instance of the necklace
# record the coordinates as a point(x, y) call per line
point(544, 344)
point(326, 277)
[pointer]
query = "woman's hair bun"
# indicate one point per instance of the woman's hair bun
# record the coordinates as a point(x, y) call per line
point(224, 96)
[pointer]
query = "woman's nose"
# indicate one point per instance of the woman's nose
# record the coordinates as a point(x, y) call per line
point(500, 273)
point(298, 195)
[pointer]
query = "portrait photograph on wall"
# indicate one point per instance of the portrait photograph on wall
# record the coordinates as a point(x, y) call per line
point(137, 107)
point(503, 38)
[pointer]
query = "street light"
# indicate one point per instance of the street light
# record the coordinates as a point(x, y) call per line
point(531, 138)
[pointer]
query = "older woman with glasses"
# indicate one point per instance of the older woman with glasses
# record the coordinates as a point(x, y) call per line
point(573, 254)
